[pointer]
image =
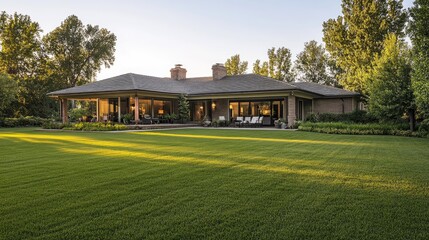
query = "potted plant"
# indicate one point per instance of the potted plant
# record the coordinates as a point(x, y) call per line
point(280, 123)
point(205, 122)
point(127, 118)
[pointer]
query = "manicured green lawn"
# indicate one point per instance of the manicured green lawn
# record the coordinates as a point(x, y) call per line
point(218, 184)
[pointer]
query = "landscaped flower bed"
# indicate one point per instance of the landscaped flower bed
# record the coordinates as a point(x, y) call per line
point(360, 129)
point(85, 126)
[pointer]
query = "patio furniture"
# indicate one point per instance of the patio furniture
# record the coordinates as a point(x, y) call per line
point(261, 121)
point(239, 121)
point(254, 122)
point(146, 119)
point(246, 121)
point(155, 120)
point(222, 121)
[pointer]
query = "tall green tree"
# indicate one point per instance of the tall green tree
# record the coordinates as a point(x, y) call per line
point(260, 69)
point(234, 66)
point(8, 92)
point(312, 64)
point(391, 96)
point(356, 37)
point(77, 51)
point(278, 66)
point(20, 45)
point(419, 34)
point(22, 58)
point(183, 108)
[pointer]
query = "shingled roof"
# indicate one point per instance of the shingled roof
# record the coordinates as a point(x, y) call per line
point(200, 86)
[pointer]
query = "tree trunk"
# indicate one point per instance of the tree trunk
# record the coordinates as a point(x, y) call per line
point(412, 118)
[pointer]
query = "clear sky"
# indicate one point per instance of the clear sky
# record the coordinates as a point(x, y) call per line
point(152, 36)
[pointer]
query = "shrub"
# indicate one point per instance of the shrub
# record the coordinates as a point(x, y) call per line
point(28, 121)
point(127, 118)
point(55, 125)
point(359, 129)
point(173, 117)
point(86, 126)
point(424, 127)
point(357, 116)
point(77, 113)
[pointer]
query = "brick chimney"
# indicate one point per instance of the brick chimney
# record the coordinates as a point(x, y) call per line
point(178, 73)
point(219, 71)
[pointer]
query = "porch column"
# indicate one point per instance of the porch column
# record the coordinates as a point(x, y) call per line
point(152, 109)
point(229, 110)
point(312, 105)
point(291, 110)
point(60, 112)
point(97, 109)
point(119, 109)
point(205, 108)
point(136, 109)
point(64, 109)
point(284, 109)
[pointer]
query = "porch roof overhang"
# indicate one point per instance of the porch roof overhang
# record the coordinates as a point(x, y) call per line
point(114, 94)
point(247, 85)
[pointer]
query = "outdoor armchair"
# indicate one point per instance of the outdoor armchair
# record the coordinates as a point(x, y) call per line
point(239, 121)
point(260, 121)
point(254, 121)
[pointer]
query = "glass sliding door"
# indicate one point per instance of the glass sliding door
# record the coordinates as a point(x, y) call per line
point(125, 105)
point(269, 109)
point(245, 109)
point(108, 109)
point(198, 110)
point(277, 110)
point(113, 109)
point(233, 108)
point(103, 110)
point(145, 107)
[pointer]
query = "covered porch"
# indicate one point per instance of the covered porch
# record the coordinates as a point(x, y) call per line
point(118, 108)
point(289, 107)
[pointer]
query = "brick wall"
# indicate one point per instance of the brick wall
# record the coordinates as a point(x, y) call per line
point(291, 109)
point(221, 109)
point(334, 105)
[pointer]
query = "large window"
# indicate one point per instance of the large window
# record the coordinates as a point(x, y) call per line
point(244, 109)
point(233, 106)
point(261, 108)
point(161, 108)
point(145, 107)
point(270, 109)
point(277, 110)
point(103, 109)
point(198, 110)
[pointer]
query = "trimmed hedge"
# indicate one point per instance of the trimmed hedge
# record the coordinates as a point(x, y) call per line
point(360, 129)
point(28, 121)
point(55, 125)
point(86, 126)
point(357, 116)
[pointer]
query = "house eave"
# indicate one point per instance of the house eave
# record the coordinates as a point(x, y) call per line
point(119, 93)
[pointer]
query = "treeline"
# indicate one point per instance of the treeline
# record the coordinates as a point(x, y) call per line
point(32, 64)
point(365, 50)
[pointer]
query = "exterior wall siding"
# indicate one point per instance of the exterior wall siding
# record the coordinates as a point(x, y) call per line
point(334, 105)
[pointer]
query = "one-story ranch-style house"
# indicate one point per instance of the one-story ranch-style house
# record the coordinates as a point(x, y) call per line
point(215, 96)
